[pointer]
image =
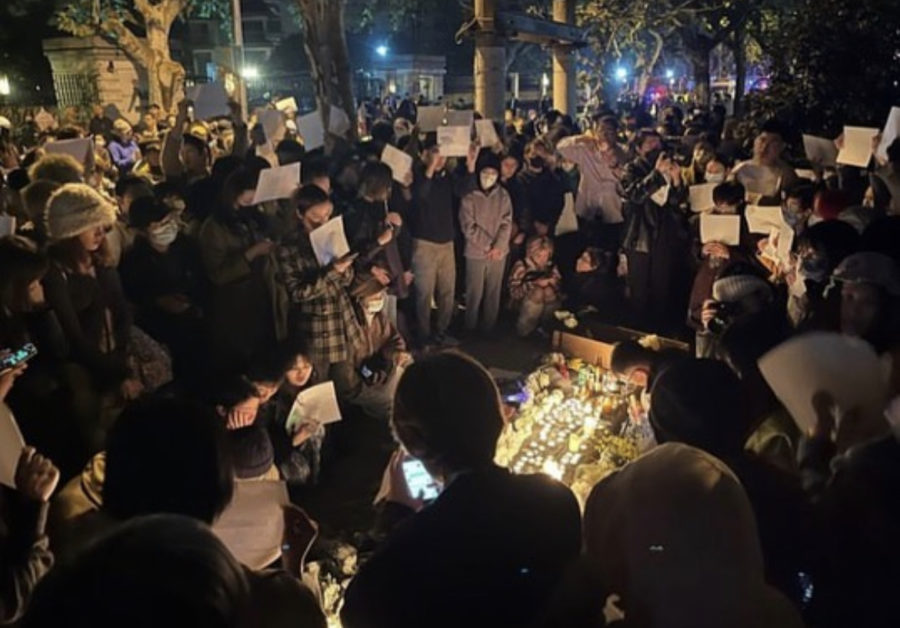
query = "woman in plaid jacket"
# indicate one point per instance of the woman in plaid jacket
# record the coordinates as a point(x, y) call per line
point(322, 313)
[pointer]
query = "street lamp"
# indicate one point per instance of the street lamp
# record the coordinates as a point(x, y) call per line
point(382, 50)
point(670, 74)
point(621, 73)
point(250, 72)
point(4, 86)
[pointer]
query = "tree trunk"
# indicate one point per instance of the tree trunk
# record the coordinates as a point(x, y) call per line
point(700, 61)
point(740, 70)
point(648, 68)
point(326, 48)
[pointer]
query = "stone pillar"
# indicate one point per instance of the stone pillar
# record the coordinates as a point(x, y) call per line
point(89, 71)
point(490, 64)
point(565, 96)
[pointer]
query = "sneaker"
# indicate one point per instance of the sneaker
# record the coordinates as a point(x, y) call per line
point(446, 341)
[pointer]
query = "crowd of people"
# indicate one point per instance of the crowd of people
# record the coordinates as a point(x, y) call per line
point(172, 321)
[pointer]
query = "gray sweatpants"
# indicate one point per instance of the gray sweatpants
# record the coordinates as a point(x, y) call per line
point(434, 271)
point(484, 281)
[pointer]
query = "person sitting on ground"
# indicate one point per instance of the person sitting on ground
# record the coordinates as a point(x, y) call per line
point(534, 286)
point(594, 286)
point(279, 375)
point(671, 540)
point(465, 535)
point(382, 357)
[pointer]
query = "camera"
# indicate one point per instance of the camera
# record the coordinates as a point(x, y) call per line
point(724, 317)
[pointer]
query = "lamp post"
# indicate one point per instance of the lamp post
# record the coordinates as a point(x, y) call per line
point(237, 55)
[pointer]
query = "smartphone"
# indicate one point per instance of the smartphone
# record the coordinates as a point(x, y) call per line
point(17, 358)
point(419, 482)
point(366, 373)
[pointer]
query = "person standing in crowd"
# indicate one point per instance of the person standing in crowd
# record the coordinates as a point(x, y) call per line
point(124, 148)
point(86, 294)
point(99, 124)
point(185, 158)
point(163, 277)
point(465, 535)
point(885, 182)
point(235, 249)
point(600, 161)
point(322, 314)
point(656, 241)
point(433, 230)
point(766, 174)
point(372, 230)
point(544, 193)
point(485, 215)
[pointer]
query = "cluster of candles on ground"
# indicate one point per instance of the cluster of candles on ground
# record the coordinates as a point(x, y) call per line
point(573, 424)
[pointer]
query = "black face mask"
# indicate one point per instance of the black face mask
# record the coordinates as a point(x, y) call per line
point(537, 162)
point(653, 156)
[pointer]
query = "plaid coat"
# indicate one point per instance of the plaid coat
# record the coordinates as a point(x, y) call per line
point(321, 309)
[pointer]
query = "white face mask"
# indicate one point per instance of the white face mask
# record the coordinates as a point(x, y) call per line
point(374, 307)
point(488, 180)
point(165, 234)
point(715, 178)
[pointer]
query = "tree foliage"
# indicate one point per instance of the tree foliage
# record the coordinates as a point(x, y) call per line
point(841, 69)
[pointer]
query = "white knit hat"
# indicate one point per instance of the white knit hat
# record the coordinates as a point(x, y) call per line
point(75, 208)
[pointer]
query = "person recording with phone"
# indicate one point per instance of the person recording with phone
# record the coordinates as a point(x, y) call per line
point(321, 311)
point(505, 539)
point(656, 243)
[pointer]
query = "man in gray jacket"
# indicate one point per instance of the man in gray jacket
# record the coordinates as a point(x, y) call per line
point(485, 215)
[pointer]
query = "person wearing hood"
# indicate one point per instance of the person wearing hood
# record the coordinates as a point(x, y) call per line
point(671, 541)
point(699, 403)
point(485, 215)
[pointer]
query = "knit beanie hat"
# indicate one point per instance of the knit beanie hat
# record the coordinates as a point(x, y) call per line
point(738, 287)
point(251, 451)
point(75, 208)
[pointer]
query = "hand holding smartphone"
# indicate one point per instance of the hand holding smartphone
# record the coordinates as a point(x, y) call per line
point(17, 358)
point(419, 482)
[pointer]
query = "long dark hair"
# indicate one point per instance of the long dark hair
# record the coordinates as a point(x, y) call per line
point(71, 254)
point(22, 264)
point(235, 184)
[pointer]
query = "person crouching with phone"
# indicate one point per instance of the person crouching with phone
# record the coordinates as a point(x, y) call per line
point(492, 547)
point(534, 286)
point(382, 357)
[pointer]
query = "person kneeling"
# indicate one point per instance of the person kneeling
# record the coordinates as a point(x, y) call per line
point(534, 286)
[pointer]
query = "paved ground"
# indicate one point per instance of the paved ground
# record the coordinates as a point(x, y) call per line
point(358, 448)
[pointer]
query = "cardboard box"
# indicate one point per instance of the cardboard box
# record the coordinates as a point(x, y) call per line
point(594, 343)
